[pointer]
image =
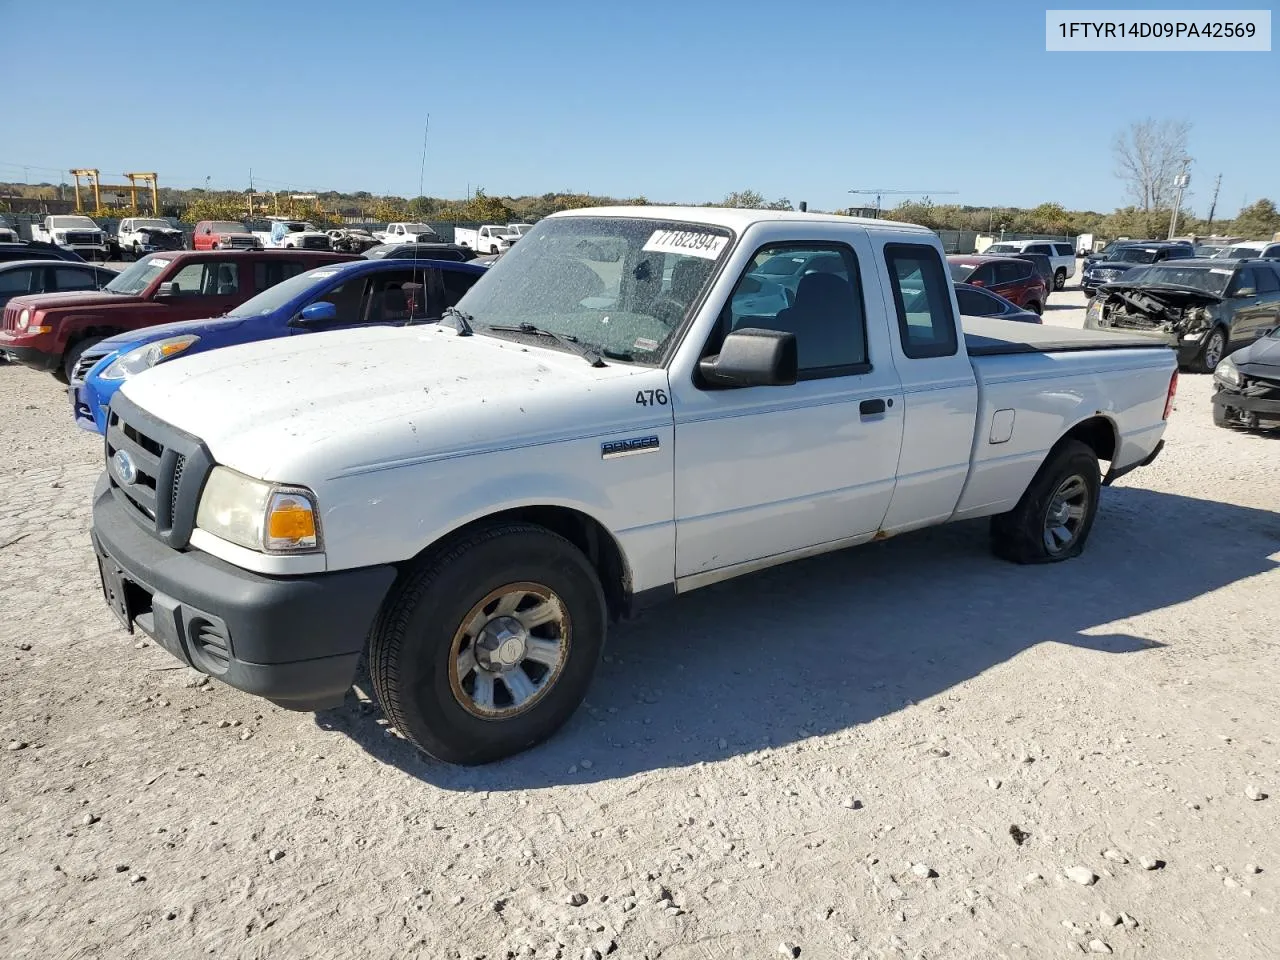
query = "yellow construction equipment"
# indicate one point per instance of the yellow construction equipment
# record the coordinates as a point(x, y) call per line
point(135, 181)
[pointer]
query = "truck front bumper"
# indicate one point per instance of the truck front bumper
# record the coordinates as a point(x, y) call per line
point(1257, 405)
point(293, 640)
point(22, 348)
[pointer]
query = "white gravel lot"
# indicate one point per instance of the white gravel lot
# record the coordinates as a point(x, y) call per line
point(909, 749)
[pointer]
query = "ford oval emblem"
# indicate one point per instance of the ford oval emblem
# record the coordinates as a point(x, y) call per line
point(125, 467)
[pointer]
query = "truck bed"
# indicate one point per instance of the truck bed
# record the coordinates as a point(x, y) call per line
point(991, 337)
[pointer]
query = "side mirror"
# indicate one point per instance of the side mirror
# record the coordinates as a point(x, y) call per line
point(318, 312)
point(752, 357)
point(1245, 292)
point(169, 289)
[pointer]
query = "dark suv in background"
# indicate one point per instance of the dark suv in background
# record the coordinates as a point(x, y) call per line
point(1126, 256)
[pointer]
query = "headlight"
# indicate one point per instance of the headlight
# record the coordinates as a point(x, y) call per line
point(24, 318)
point(262, 516)
point(147, 356)
point(1227, 372)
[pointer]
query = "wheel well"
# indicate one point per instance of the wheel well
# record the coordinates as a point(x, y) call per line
point(585, 533)
point(86, 333)
point(1098, 434)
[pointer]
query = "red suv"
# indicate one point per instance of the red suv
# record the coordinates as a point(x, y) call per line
point(1012, 278)
point(53, 331)
point(223, 235)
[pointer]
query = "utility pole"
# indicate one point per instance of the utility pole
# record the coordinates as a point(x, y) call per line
point(1180, 181)
point(1213, 206)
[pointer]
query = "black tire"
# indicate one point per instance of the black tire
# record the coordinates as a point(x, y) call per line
point(1035, 307)
point(411, 646)
point(1215, 348)
point(1060, 279)
point(1020, 535)
point(70, 358)
point(1220, 417)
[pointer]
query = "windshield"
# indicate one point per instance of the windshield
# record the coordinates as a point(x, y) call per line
point(1133, 255)
point(297, 226)
point(138, 275)
point(72, 223)
point(226, 226)
point(1002, 248)
point(961, 272)
point(1240, 253)
point(622, 286)
point(151, 225)
point(273, 298)
point(1209, 279)
point(417, 228)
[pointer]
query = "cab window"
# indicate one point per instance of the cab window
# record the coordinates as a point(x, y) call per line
point(819, 299)
point(922, 297)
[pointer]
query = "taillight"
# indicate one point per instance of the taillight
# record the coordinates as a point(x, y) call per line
point(1173, 391)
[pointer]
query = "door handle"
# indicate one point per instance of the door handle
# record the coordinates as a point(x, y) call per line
point(869, 408)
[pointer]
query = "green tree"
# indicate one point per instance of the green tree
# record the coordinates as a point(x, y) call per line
point(485, 208)
point(1260, 220)
point(388, 209)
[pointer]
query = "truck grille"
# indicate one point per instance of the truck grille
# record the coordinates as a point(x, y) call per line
point(241, 243)
point(11, 318)
point(83, 236)
point(315, 243)
point(87, 359)
point(155, 470)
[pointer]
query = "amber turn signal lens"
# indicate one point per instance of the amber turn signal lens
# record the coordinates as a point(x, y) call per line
point(291, 522)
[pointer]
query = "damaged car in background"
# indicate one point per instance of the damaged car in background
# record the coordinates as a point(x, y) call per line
point(1246, 385)
point(1202, 308)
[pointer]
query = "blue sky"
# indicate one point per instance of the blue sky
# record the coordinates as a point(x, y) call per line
point(680, 101)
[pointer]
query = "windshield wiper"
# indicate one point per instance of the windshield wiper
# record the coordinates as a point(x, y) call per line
point(568, 341)
point(463, 319)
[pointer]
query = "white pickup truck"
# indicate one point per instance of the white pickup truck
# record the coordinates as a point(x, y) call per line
point(138, 236)
point(611, 415)
point(286, 234)
point(491, 238)
point(407, 233)
point(73, 232)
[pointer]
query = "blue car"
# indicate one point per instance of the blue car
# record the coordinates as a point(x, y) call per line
point(330, 297)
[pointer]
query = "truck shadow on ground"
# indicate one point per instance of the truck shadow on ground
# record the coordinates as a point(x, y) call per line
point(837, 641)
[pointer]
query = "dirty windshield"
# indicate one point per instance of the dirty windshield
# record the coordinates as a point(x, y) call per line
point(619, 285)
point(1207, 279)
point(138, 276)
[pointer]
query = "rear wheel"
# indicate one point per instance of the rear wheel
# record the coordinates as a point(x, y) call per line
point(1211, 353)
point(1059, 279)
point(1035, 307)
point(1053, 519)
point(487, 647)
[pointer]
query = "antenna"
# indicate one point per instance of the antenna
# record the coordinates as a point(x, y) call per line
point(422, 170)
point(879, 192)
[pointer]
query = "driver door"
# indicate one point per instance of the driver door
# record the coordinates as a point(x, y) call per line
point(763, 472)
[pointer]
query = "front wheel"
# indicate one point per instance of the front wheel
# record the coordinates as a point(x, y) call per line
point(487, 647)
point(1053, 519)
point(1035, 307)
point(1059, 279)
point(72, 357)
point(1211, 354)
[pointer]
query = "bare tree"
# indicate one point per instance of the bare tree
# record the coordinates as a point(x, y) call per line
point(1149, 154)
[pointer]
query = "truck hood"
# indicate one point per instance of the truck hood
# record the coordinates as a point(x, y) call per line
point(306, 409)
point(71, 301)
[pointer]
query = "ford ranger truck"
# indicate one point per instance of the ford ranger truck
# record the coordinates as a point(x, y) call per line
point(612, 415)
point(56, 331)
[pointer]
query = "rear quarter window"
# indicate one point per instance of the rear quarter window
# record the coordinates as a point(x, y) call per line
point(922, 295)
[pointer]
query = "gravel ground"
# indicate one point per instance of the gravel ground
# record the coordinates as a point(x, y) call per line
point(906, 750)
